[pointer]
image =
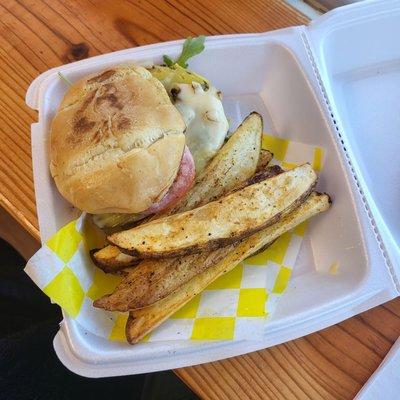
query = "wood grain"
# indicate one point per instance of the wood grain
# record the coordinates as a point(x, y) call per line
point(330, 365)
point(36, 35)
point(13, 233)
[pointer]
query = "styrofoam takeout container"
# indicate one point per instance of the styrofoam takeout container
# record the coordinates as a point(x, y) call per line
point(334, 84)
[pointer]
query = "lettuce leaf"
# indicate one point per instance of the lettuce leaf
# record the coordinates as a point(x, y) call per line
point(191, 47)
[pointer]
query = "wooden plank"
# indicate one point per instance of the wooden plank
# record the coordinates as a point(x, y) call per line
point(18, 237)
point(331, 364)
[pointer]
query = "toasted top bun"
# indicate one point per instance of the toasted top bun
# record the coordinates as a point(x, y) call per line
point(116, 142)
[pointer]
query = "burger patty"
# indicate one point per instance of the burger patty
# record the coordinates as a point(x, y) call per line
point(182, 183)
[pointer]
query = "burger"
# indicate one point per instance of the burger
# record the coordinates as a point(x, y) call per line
point(127, 142)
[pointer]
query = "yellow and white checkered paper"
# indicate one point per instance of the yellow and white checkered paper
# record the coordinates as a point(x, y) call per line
point(234, 307)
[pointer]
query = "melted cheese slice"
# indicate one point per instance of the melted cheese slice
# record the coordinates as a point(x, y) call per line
point(206, 123)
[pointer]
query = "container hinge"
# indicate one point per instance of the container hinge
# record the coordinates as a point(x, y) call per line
point(340, 141)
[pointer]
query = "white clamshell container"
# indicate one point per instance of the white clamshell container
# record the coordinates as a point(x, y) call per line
point(335, 84)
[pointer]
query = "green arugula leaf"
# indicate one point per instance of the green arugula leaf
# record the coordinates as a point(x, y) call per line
point(191, 47)
point(168, 62)
point(65, 79)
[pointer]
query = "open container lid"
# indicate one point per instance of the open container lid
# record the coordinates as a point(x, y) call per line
point(357, 55)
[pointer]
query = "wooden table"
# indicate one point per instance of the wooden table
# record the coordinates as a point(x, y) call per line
point(36, 35)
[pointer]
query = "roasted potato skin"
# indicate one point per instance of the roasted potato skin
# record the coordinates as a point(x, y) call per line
point(264, 160)
point(221, 222)
point(111, 260)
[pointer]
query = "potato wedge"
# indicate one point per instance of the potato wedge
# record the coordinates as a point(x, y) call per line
point(153, 280)
point(221, 222)
point(264, 160)
point(234, 164)
point(111, 260)
point(144, 320)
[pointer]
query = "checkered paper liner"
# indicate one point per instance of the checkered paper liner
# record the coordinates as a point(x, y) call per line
point(234, 307)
